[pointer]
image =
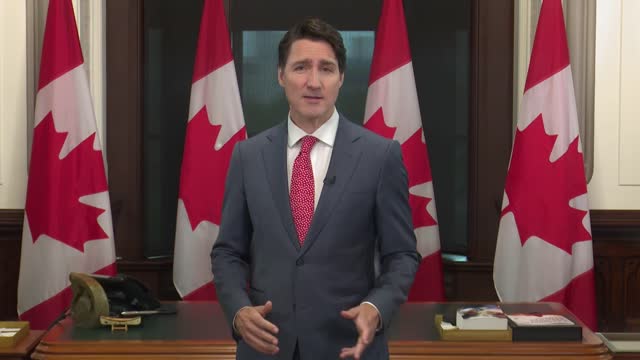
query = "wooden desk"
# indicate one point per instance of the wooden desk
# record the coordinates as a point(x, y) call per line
point(198, 331)
point(23, 349)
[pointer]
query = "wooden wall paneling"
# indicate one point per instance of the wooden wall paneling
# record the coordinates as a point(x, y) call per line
point(10, 239)
point(616, 222)
point(491, 121)
point(124, 123)
point(616, 248)
point(631, 292)
point(467, 281)
point(603, 272)
point(10, 267)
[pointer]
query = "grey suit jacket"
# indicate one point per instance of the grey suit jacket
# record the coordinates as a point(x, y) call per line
point(363, 208)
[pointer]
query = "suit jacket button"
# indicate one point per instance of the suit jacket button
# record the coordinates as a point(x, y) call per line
point(300, 262)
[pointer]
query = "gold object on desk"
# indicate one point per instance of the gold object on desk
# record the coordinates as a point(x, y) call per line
point(120, 324)
point(11, 332)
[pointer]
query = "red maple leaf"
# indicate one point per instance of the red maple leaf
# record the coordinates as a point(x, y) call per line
point(204, 169)
point(416, 160)
point(377, 125)
point(539, 190)
point(55, 186)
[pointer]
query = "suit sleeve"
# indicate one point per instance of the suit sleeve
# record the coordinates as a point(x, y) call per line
point(399, 259)
point(231, 250)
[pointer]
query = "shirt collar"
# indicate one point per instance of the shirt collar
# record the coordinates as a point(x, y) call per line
point(325, 133)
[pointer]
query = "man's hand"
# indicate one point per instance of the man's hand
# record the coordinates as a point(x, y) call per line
point(367, 319)
point(255, 330)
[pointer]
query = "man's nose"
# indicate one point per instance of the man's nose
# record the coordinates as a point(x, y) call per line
point(313, 81)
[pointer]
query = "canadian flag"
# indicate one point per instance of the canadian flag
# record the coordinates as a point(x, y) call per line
point(215, 125)
point(392, 111)
point(67, 220)
point(544, 250)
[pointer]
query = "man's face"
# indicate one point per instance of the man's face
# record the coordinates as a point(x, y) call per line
point(311, 80)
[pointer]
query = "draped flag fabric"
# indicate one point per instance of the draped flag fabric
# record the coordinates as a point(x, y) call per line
point(67, 220)
point(392, 111)
point(215, 125)
point(544, 249)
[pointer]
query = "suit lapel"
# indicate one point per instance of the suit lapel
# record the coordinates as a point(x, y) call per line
point(344, 158)
point(275, 162)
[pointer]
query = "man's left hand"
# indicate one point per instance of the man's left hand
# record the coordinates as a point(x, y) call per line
point(367, 319)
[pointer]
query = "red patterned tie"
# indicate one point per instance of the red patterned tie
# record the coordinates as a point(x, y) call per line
point(302, 193)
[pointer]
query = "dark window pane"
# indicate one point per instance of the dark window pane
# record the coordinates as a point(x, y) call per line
point(439, 39)
point(263, 102)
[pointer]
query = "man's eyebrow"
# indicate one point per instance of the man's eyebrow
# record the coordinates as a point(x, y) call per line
point(301, 62)
point(328, 62)
point(308, 61)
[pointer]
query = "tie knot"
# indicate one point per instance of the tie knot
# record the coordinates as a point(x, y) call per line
point(307, 143)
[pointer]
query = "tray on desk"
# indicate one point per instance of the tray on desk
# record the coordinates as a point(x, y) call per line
point(15, 337)
point(621, 342)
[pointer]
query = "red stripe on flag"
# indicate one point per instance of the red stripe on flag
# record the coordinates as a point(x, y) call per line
point(206, 292)
point(213, 40)
point(550, 52)
point(579, 297)
point(43, 314)
point(61, 46)
point(391, 49)
point(427, 285)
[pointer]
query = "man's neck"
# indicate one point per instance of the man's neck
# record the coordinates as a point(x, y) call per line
point(309, 126)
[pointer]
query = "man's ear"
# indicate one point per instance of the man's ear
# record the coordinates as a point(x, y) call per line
point(341, 79)
point(281, 76)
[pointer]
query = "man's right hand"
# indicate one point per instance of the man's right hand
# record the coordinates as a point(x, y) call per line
point(255, 330)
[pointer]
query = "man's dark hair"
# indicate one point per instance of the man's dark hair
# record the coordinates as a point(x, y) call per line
point(316, 30)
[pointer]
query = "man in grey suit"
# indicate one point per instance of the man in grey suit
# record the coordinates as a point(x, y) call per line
point(307, 206)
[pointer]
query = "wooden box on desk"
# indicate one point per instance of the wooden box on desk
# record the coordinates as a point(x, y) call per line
point(11, 341)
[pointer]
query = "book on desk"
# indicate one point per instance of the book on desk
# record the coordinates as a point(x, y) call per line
point(543, 327)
